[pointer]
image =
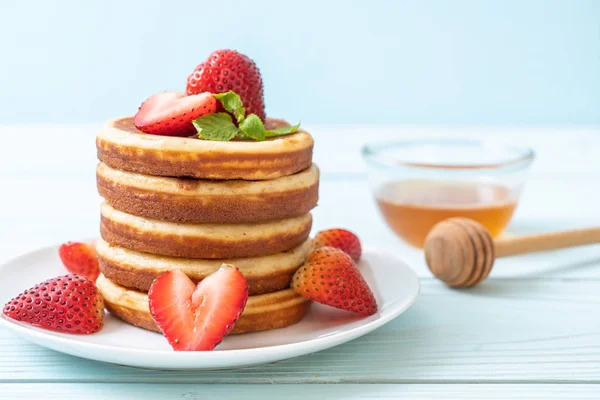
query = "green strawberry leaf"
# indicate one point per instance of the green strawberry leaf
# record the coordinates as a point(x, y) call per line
point(232, 103)
point(286, 130)
point(217, 126)
point(252, 127)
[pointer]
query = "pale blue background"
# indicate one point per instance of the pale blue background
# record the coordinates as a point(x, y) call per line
point(503, 62)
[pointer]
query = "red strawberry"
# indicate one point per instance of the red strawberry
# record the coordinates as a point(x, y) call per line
point(172, 113)
point(80, 258)
point(341, 239)
point(330, 277)
point(194, 317)
point(226, 70)
point(67, 303)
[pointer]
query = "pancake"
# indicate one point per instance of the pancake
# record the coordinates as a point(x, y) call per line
point(204, 201)
point(202, 240)
point(122, 146)
point(137, 270)
point(262, 312)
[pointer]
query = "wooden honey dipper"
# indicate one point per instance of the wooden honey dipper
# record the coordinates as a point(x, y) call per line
point(461, 252)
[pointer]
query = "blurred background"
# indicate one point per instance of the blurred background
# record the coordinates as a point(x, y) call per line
point(462, 62)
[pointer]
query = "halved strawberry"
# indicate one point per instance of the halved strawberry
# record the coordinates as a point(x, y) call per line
point(330, 277)
point(172, 113)
point(341, 239)
point(194, 318)
point(80, 258)
point(68, 303)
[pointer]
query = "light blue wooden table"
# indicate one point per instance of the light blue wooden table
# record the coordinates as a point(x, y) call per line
point(531, 331)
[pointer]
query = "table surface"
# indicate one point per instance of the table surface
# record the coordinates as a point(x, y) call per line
point(530, 331)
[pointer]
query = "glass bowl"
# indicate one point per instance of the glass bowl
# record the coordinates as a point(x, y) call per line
point(419, 183)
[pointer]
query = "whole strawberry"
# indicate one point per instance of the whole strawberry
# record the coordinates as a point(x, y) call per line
point(226, 70)
point(68, 303)
point(80, 258)
point(341, 239)
point(330, 277)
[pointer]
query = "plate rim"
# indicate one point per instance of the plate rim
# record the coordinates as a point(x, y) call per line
point(262, 355)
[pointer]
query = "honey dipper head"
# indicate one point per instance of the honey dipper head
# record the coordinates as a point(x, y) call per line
point(459, 252)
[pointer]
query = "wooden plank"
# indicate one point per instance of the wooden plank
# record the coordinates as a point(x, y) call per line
point(508, 330)
point(337, 148)
point(94, 391)
point(547, 205)
point(559, 152)
point(504, 331)
point(68, 210)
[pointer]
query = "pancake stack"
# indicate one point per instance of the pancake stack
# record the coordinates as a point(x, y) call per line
point(191, 204)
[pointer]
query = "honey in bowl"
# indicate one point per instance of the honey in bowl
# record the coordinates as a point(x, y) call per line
point(412, 207)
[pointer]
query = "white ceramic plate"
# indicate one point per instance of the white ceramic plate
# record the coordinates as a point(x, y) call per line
point(395, 286)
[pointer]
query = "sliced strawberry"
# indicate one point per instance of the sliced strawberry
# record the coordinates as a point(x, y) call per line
point(172, 113)
point(195, 318)
point(68, 303)
point(341, 239)
point(330, 277)
point(226, 70)
point(80, 258)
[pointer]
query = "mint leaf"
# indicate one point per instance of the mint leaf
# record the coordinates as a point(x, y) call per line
point(252, 127)
point(217, 126)
point(232, 103)
point(286, 130)
point(220, 126)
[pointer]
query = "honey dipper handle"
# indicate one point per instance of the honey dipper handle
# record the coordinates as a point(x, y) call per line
point(545, 241)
